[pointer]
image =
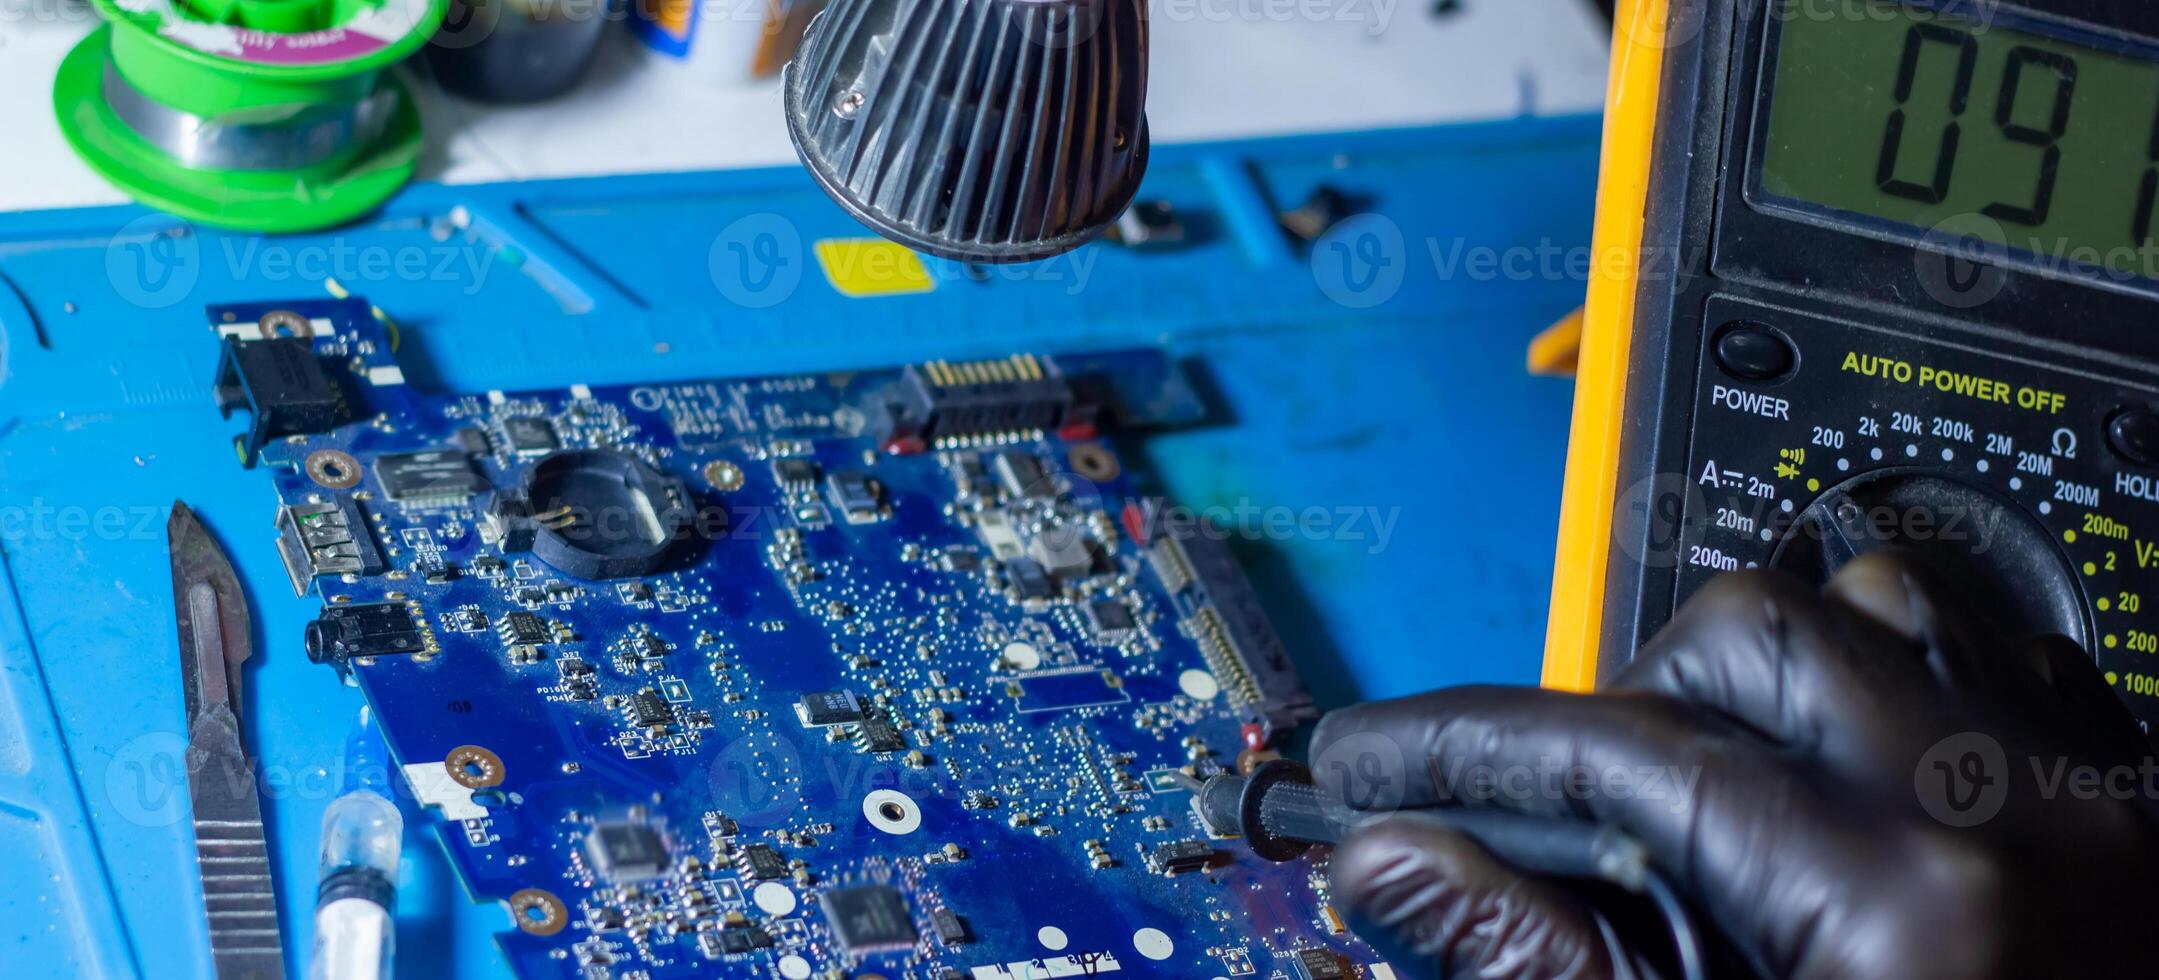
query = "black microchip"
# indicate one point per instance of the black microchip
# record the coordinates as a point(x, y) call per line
point(1022, 475)
point(1028, 579)
point(622, 851)
point(522, 627)
point(820, 708)
point(856, 495)
point(961, 559)
point(344, 632)
point(795, 474)
point(437, 474)
point(531, 435)
point(762, 863)
point(574, 668)
point(972, 477)
point(869, 918)
point(1318, 963)
point(951, 929)
point(880, 735)
point(471, 441)
point(650, 646)
point(1180, 857)
point(1108, 617)
point(649, 710)
point(743, 939)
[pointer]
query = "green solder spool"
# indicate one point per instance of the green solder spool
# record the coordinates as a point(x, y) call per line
point(260, 115)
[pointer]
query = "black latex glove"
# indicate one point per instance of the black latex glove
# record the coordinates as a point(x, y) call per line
point(1866, 806)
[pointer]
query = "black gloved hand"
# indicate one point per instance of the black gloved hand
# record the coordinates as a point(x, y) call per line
point(1860, 782)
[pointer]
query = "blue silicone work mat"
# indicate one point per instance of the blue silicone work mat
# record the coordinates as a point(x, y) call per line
point(1368, 385)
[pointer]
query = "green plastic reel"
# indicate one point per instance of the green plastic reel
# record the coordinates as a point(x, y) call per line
point(259, 115)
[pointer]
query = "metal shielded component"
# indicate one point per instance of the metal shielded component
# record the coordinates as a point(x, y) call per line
point(327, 538)
point(437, 476)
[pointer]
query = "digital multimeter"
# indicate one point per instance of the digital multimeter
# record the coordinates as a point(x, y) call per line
point(1875, 274)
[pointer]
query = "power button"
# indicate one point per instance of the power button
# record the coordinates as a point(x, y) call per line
point(1752, 352)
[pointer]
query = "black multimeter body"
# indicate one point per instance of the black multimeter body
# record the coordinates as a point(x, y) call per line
point(1833, 352)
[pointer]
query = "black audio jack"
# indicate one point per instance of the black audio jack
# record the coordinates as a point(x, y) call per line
point(1281, 814)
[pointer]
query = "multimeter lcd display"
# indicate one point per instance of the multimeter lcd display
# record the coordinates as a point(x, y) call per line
point(1903, 116)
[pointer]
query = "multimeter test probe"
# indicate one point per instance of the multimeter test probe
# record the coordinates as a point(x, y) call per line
point(1280, 813)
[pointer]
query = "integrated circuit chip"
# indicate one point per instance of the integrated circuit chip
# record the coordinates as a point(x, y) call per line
point(624, 851)
point(522, 627)
point(1320, 963)
point(650, 710)
point(821, 708)
point(880, 735)
point(869, 919)
point(795, 474)
point(742, 939)
point(531, 436)
point(857, 496)
point(1182, 857)
point(761, 862)
point(1029, 580)
point(434, 476)
point(1021, 474)
point(951, 929)
point(1109, 619)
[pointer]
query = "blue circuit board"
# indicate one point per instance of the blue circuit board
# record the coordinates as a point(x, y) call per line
point(877, 673)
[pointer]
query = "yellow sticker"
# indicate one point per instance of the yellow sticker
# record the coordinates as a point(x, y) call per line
point(860, 267)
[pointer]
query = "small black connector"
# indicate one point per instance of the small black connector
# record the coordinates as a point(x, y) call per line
point(284, 388)
point(376, 629)
point(946, 400)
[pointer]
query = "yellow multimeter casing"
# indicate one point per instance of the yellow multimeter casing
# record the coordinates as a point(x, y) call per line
point(1575, 632)
point(1872, 274)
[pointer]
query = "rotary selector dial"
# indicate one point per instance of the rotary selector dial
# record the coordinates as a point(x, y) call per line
point(1991, 552)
